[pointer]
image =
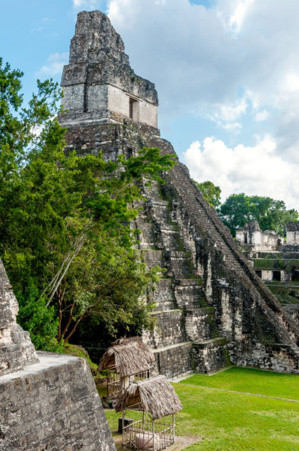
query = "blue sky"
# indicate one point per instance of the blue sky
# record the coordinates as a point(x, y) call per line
point(227, 74)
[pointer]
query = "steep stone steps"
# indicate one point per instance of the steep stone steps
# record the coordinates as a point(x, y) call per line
point(246, 311)
point(174, 360)
point(200, 324)
point(168, 331)
point(178, 264)
point(163, 296)
point(210, 356)
point(206, 224)
point(189, 294)
point(197, 211)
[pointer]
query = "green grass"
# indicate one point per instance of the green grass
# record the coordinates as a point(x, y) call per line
point(229, 421)
point(250, 381)
point(237, 421)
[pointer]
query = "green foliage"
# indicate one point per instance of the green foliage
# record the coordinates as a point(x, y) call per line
point(210, 192)
point(78, 351)
point(36, 318)
point(64, 221)
point(238, 209)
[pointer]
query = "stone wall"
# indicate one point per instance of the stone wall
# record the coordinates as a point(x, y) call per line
point(52, 405)
point(292, 233)
point(183, 234)
point(175, 360)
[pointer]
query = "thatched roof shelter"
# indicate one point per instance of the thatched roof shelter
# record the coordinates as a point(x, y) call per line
point(126, 360)
point(147, 353)
point(127, 357)
point(155, 394)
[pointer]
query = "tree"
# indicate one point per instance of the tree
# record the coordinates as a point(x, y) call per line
point(210, 192)
point(238, 209)
point(64, 221)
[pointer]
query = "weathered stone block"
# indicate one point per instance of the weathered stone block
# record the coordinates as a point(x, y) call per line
point(174, 361)
point(52, 405)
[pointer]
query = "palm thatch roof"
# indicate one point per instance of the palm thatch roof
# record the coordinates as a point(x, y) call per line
point(155, 394)
point(127, 356)
point(126, 360)
point(147, 353)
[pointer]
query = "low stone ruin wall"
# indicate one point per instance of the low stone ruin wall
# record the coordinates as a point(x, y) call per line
point(52, 405)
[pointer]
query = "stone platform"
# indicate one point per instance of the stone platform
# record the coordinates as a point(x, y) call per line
point(52, 405)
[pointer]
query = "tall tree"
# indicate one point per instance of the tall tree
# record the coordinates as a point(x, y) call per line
point(210, 192)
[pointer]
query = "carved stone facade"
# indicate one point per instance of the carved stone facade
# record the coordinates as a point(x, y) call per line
point(99, 83)
point(52, 405)
point(211, 306)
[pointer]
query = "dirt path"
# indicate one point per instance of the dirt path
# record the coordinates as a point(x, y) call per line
point(181, 442)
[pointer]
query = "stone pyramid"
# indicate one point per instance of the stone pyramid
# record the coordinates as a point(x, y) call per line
point(212, 309)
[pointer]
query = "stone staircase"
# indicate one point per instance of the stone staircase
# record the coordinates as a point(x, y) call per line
point(233, 288)
point(186, 336)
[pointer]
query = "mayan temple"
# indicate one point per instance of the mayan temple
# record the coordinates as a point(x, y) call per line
point(212, 309)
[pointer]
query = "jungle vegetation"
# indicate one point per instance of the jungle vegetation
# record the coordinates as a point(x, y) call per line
point(65, 238)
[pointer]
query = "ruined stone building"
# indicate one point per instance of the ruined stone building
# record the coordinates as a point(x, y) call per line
point(211, 306)
point(275, 262)
point(292, 229)
point(47, 401)
point(254, 239)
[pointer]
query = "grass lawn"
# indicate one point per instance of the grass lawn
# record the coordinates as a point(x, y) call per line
point(250, 381)
point(236, 421)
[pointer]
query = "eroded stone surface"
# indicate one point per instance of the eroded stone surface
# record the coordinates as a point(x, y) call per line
point(99, 83)
point(16, 348)
point(52, 405)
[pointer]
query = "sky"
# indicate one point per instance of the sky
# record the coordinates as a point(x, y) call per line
point(226, 71)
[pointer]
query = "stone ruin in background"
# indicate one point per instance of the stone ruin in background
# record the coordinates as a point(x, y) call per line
point(212, 308)
point(276, 262)
point(47, 401)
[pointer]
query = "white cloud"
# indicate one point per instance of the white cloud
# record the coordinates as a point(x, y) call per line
point(202, 69)
point(261, 116)
point(54, 65)
point(233, 13)
point(85, 4)
point(225, 115)
point(256, 170)
point(291, 83)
